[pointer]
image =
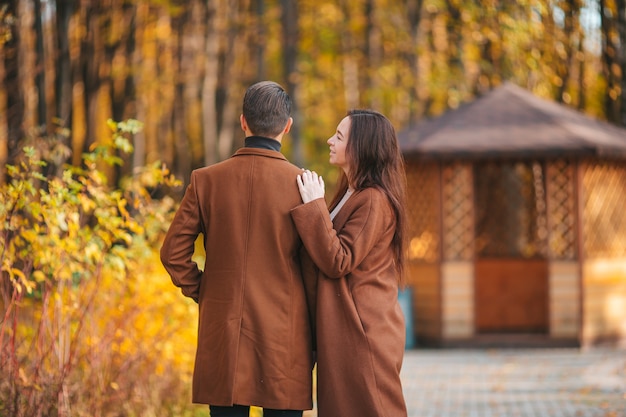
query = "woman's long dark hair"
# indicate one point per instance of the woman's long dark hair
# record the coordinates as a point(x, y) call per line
point(375, 160)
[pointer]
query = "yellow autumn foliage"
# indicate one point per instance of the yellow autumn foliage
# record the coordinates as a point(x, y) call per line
point(91, 323)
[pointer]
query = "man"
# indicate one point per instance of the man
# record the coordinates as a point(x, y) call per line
point(254, 335)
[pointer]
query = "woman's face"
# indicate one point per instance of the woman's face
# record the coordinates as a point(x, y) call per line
point(338, 144)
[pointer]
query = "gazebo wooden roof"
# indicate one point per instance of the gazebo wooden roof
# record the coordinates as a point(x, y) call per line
point(512, 122)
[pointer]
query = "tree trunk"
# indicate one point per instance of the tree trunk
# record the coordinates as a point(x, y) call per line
point(6, 35)
point(161, 140)
point(4, 123)
point(582, 101)
point(209, 85)
point(455, 62)
point(571, 10)
point(180, 140)
point(191, 64)
point(610, 63)
point(122, 28)
point(27, 60)
point(139, 139)
point(350, 64)
point(290, 72)
point(621, 25)
point(123, 95)
point(260, 40)
point(94, 58)
point(79, 104)
point(431, 50)
point(65, 9)
point(373, 42)
point(40, 57)
point(414, 16)
point(234, 41)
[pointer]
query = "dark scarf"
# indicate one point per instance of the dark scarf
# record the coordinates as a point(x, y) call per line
point(262, 142)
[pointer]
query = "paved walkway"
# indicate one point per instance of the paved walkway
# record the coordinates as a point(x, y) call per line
point(515, 383)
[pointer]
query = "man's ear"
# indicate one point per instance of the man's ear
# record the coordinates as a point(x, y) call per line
point(244, 124)
point(288, 126)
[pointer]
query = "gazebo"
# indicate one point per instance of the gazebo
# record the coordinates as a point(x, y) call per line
point(517, 212)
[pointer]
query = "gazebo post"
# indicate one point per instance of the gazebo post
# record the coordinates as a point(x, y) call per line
point(562, 251)
point(440, 254)
point(457, 251)
point(578, 200)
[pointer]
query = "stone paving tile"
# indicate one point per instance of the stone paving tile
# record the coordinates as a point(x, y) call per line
point(515, 383)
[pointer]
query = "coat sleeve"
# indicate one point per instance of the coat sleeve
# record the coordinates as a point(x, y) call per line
point(178, 245)
point(337, 254)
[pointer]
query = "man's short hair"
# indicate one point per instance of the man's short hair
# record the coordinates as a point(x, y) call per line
point(266, 108)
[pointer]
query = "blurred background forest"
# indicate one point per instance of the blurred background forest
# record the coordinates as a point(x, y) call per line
point(181, 67)
point(107, 105)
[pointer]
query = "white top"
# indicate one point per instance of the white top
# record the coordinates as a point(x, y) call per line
point(338, 207)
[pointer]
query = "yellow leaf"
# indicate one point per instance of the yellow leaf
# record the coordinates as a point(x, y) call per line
point(39, 276)
point(112, 124)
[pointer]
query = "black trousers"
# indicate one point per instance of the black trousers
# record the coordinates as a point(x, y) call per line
point(244, 411)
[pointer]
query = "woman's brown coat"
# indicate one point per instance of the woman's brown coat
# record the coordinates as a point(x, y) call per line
point(254, 332)
point(360, 326)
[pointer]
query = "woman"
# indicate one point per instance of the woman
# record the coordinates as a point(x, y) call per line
point(358, 252)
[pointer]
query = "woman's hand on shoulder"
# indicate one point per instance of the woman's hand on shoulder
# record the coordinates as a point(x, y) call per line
point(311, 186)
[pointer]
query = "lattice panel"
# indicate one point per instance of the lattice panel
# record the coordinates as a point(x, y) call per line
point(423, 210)
point(561, 210)
point(458, 213)
point(604, 209)
point(510, 206)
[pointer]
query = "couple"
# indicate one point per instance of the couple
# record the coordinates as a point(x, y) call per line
point(285, 280)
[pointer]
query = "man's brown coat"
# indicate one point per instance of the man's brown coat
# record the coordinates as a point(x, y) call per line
point(254, 332)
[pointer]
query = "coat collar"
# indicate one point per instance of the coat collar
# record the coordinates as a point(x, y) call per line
point(260, 152)
point(344, 214)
